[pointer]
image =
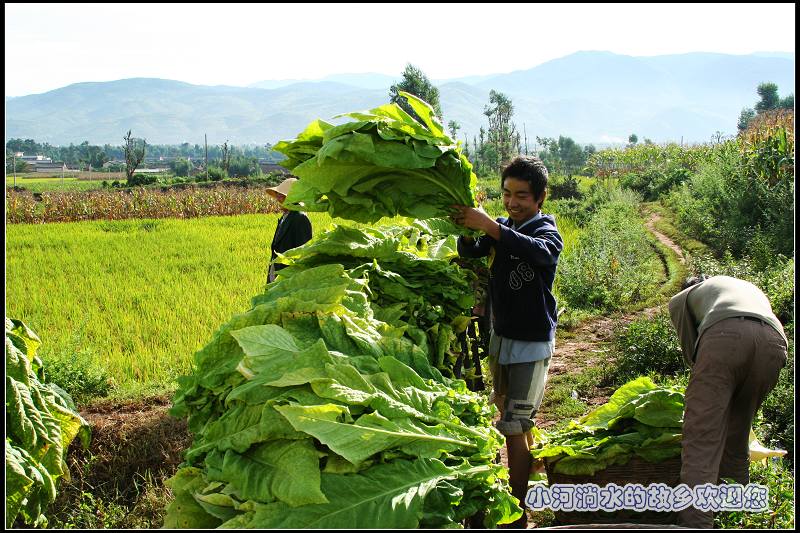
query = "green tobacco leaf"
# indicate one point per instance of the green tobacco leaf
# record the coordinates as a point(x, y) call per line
point(25, 423)
point(22, 337)
point(660, 408)
point(386, 496)
point(218, 505)
point(285, 470)
point(184, 512)
point(18, 483)
point(18, 366)
point(619, 405)
point(242, 427)
point(370, 434)
point(425, 112)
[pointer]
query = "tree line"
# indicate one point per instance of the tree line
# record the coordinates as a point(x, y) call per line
point(183, 157)
point(501, 139)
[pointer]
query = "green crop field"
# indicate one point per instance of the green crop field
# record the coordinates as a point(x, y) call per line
point(140, 296)
point(55, 184)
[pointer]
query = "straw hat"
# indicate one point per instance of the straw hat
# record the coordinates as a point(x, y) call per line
point(283, 187)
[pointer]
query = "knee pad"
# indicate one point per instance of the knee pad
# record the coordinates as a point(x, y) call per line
point(517, 418)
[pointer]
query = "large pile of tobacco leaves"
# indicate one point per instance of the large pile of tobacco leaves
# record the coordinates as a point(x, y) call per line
point(322, 406)
point(331, 402)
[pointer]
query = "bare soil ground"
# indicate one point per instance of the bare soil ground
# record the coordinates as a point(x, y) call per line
point(131, 441)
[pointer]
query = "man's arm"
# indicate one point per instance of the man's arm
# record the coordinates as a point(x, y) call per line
point(542, 250)
point(470, 247)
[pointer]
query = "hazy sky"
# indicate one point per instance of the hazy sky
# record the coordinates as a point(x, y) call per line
point(53, 45)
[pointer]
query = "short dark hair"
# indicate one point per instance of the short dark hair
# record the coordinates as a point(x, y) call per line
point(527, 168)
point(693, 280)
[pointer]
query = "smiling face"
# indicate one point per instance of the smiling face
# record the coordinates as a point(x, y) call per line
point(519, 201)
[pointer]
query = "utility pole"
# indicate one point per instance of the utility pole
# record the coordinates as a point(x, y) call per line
point(526, 138)
point(206, 137)
point(15, 169)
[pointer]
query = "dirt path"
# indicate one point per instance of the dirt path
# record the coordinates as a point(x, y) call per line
point(666, 241)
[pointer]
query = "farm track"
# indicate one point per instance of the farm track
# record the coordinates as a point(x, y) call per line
point(138, 438)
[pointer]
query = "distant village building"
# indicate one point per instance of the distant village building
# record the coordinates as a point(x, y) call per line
point(114, 163)
point(40, 163)
point(57, 166)
point(266, 168)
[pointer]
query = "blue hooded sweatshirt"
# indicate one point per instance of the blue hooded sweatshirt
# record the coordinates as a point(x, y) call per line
point(521, 276)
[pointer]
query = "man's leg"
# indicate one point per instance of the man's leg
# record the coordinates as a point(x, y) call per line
point(757, 379)
point(524, 396)
point(707, 410)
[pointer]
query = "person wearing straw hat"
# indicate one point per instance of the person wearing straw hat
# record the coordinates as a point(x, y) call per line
point(293, 229)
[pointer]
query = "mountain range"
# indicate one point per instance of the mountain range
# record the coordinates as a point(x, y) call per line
point(592, 96)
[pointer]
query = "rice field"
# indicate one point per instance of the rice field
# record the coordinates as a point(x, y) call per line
point(140, 295)
point(71, 183)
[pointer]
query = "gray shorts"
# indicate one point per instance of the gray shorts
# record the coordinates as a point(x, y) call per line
point(523, 381)
point(517, 391)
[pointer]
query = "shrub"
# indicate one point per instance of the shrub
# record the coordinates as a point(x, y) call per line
point(655, 181)
point(77, 373)
point(216, 174)
point(644, 346)
point(612, 264)
point(564, 187)
point(775, 279)
point(140, 180)
point(743, 192)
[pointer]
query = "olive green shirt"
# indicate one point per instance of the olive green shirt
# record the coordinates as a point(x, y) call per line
point(700, 306)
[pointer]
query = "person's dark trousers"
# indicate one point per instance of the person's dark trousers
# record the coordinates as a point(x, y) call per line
point(736, 366)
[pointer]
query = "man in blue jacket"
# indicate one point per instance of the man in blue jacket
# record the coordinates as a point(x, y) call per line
point(523, 252)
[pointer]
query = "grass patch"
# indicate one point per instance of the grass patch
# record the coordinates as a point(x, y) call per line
point(559, 402)
point(564, 394)
point(646, 345)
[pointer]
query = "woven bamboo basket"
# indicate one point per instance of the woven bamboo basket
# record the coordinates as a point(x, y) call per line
point(636, 470)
